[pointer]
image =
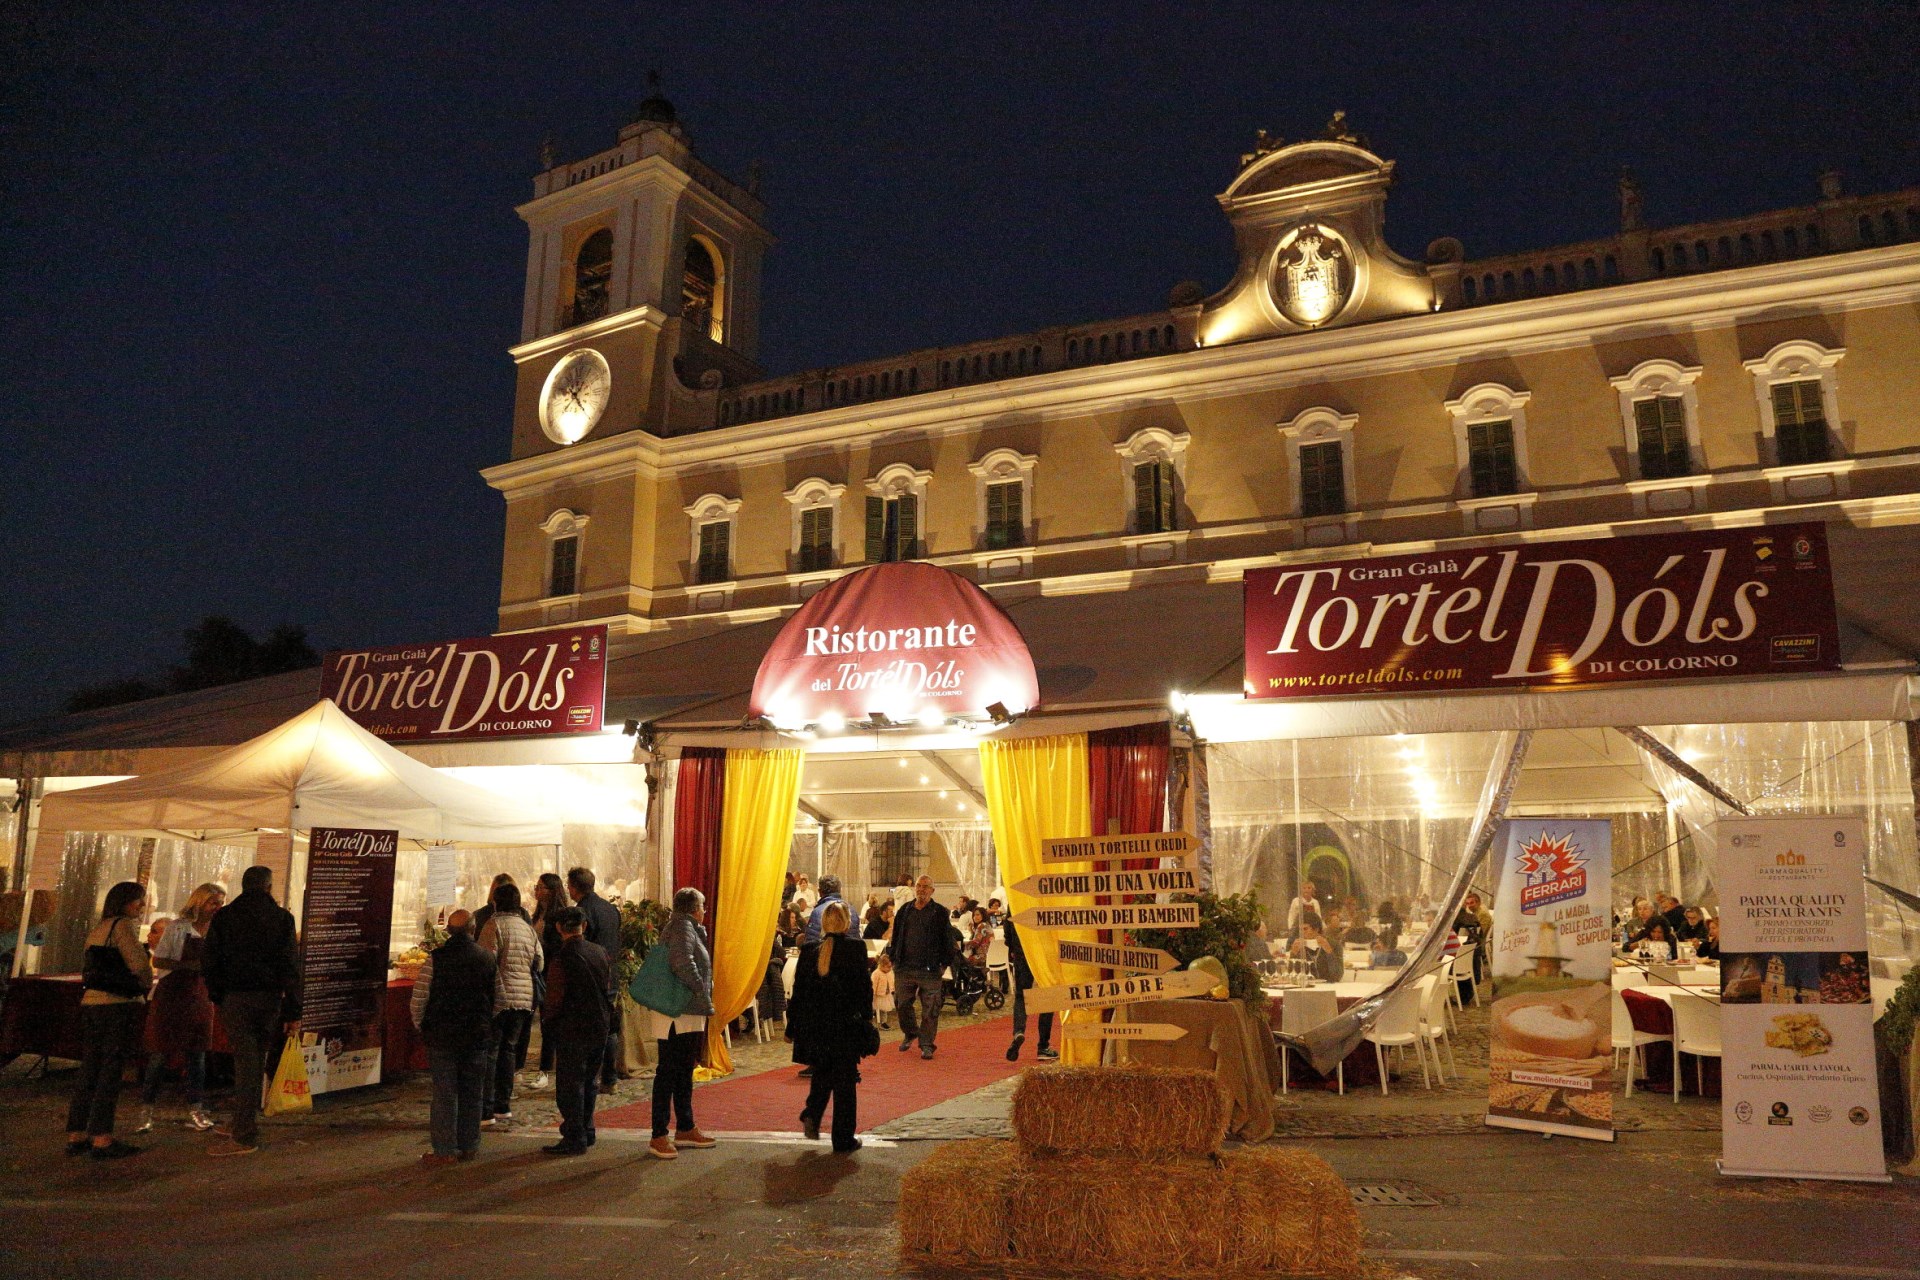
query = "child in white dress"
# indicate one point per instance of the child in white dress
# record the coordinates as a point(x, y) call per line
point(883, 991)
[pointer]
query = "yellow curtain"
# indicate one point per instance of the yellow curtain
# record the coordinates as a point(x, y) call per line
point(756, 829)
point(1040, 789)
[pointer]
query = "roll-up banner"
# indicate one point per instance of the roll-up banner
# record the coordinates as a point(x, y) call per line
point(1551, 1050)
point(345, 929)
point(1799, 1095)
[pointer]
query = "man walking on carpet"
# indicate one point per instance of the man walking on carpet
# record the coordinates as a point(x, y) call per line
point(922, 948)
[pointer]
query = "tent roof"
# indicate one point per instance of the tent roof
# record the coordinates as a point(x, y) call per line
point(319, 769)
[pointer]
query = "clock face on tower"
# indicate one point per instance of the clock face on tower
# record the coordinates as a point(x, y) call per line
point(575, 396)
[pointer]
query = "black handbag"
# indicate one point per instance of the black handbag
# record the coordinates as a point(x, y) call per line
point(105, 969)
point(867, 1037)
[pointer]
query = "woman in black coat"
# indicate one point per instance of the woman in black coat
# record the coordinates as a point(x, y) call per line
point(831, 1023)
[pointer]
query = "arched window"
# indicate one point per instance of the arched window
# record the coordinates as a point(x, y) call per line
point(1610, 269)
point(1767, 246)
point(1659, 262)
point(1167, 333)
point(1467, 288)
point(1746, 246)
point(1890, 225)
point(1700, 257)
point(1073, 351)
point(1792, 235)
point(700, 299)
point(1813, 236)
point(1526, 280)
point(913, 379)
point(592, 273)
point(1506, 284)
point(1549, 282)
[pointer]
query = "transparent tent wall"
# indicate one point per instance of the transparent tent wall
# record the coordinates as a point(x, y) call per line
point(1386, 818)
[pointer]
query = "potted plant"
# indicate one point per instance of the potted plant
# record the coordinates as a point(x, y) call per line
point(1225, 926)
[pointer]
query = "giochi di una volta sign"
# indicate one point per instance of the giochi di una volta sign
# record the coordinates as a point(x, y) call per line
point(1714, 603)
point(529, 684)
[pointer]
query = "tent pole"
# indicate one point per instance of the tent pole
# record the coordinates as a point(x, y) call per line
point(27, 826)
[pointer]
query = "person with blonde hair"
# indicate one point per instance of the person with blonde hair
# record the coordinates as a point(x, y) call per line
point(831, 1022)
point(180, 1020)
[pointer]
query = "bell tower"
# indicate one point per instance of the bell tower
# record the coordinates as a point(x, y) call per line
point(642, 302)
point(649, 258)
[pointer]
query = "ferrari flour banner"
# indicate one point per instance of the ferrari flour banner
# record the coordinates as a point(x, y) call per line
point(1799, 1098)
point(1551, 958)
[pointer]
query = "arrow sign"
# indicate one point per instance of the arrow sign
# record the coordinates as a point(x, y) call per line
point(1138, 959)
point(1164, 844)
point(1144, 915)
point(1128, 990)
point(1159, 880)
point(1122, 1031)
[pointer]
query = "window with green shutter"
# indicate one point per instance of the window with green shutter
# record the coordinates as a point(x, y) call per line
point(1490, 458)
point(563, 575)
point(1800, 423)
point(1153, 505)
point(1660, 422)
point(716, 547)
point(893, 528)
point(1323, 479)
point(1006, 522)
point(816, 539)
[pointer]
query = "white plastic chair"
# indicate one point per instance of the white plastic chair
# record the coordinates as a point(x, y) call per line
point(786, 971)
point(1628, 1040)
point(1463, 972)
point(1433, 1025)
point(1300, 1011)
point(1696, 1030)
point(1399, 1026)
point(999, 967)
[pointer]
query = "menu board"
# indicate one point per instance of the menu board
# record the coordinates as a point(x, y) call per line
point(1800, 1097)
point(1550, 1051)
point(343, 954)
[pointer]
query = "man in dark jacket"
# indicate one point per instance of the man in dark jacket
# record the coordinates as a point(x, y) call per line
point(453, 1007)
point(603, 931)
point(575, 1021)
point(251, 966)
point(1022, 983)
point(922, 948)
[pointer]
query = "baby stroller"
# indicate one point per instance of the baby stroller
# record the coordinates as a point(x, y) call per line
point(969, 986)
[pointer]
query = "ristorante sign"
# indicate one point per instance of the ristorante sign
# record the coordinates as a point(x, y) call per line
point(530, 685)
point(1716, 603)
point(911, 641)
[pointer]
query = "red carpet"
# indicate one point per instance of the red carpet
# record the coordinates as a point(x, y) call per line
point(893, 1084)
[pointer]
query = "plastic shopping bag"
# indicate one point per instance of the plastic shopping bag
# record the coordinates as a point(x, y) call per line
point(288, 1092)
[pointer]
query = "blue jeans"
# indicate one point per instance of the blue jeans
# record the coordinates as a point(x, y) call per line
point(459, 1083)
point(576, 1089)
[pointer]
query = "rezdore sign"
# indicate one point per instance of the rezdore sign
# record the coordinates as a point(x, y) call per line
point(1709, 604)
point(534, 684)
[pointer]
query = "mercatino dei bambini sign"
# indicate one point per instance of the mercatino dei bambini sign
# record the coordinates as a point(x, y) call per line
point(1715, 603)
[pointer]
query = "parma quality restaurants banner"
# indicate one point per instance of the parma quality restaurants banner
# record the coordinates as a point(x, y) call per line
point(532, 684)
point(1799, 1095)
point(1550, 1055)
point(344, 930)
point(1709, 603)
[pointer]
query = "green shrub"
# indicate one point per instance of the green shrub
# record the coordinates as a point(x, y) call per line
point(1225, 926)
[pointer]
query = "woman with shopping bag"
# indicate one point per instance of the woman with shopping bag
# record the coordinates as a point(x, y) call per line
point(675, 984)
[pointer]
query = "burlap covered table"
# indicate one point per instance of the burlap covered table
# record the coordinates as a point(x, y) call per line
point(1221, 1037)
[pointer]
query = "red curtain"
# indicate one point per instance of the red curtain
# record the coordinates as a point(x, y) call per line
point(696, 821)
point(1127, 770)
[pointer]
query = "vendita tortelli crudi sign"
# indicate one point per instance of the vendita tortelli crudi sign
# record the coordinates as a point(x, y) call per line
point(1710, 604)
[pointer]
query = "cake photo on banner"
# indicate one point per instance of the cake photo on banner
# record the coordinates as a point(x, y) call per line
point(1551, 1045)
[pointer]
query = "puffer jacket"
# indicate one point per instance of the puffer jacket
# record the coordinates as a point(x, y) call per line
point(518, 952)
point(688, 958)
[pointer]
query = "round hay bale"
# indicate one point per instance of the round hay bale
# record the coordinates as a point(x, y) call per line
point(1262, 1212)
point(953, 1205)
point(1129, 1111)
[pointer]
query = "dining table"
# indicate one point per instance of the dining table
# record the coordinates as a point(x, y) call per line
point(1360, 1065)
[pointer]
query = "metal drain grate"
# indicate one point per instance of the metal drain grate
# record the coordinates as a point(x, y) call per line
point(1390, 1195)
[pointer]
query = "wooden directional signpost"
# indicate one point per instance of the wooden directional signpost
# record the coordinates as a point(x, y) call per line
point(1156, 880)
point(1127, 990)
point(1131, 959)
point(1165, 844)
point(1122, 1031)
point(1138, 915)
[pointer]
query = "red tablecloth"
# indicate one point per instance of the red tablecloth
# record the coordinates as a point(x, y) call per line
point(42, 1016)
point(1361, 1069)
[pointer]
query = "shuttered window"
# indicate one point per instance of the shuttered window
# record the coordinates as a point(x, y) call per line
point(1153, 506)
point(563, 577)
point(716, 547)
point(1490, 458)
point(1661, 424)
point(1006, 522)
point(1800, 423)
point(816, 539)
point(893, 528)
point(1323, 479)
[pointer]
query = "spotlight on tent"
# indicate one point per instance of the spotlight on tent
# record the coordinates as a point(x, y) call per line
point(832, 722)
point(879, 720)
point(999, 712)
point(930, 718)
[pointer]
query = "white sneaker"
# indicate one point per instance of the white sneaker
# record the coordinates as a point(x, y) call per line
point(540, 1081)
point(146, 1121)
point(198, 1120)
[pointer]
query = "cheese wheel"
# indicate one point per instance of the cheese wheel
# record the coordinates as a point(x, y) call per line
point(1547, 1030)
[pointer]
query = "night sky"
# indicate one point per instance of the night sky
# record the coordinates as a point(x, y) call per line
point(259, 266)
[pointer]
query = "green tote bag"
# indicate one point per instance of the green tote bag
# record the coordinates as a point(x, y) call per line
point(655, 987)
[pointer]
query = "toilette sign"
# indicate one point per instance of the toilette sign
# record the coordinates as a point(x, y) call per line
point(1683, 606)
point(912, 642)
point(529, 685)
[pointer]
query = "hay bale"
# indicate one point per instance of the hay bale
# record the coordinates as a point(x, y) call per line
point(953, 1204)
point(1127, 1111)
point(1272, 1212)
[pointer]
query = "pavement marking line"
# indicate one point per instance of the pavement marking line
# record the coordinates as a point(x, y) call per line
point(1756, 1266)
point(538, 1219)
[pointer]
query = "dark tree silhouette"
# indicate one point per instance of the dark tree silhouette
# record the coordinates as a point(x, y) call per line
point(219, 651)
